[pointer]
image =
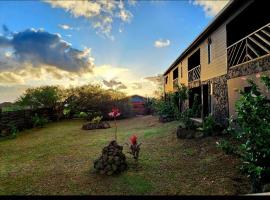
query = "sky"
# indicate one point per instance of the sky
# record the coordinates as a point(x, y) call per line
point(123, 45)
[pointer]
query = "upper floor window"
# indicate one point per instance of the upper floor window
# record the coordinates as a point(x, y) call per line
point(175, 73)
point(166, 79)
point(209, 50)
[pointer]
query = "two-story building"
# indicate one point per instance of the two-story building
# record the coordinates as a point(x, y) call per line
point(235, 46)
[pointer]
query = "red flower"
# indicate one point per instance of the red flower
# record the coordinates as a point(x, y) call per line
point(115, 112)
point(133, 139)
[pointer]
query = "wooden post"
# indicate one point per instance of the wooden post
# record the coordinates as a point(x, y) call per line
point(202, 101)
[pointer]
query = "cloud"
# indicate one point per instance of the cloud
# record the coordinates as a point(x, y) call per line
point(136, 86)
point(10, 78)
point(39, 47)
point(65, 26)
point(155, 79)
point(211, 8)
point(161, 43)
point(113, 84)
point(100, 13)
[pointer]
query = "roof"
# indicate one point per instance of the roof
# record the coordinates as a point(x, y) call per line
point(137, 98)
point(220, 18)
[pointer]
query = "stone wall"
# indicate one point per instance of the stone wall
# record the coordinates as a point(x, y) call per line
point(219, 99)
point(259, 65)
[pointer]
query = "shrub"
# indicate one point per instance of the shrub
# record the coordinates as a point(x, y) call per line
point(96, 120)
point(166, 108)
point(13, 132)
point(209, 126)
point(66, 112)
point(253, 134)
point(39, 121)
point(185, 119)
point(226, 146)
point(83, 115)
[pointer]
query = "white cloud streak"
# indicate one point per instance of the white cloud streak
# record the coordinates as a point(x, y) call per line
point(161, 43)
point(100, 13)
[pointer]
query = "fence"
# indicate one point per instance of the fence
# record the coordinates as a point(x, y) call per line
point(22, 119)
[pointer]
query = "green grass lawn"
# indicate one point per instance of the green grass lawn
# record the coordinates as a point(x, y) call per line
point(58, 159)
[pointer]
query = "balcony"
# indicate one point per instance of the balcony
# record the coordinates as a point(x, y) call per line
point(194, 74)
point(255, 45)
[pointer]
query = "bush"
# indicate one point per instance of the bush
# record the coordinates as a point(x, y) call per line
point(253, 134)
point(39, 121)
point(226, 146)
point(66, 112)
point(96, 120)
point(209, 126)
point(13, 132)
point(166, 108)
point(185, 119)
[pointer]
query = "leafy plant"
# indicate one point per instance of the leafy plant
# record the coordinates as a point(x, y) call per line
point(66, 112)
point(13, 132)
point(186, 119)
point(209, 126)
point(226, 146)
point(253, 134)
point(96, 120)
point(83, 115)
point(166, 107)
point(39, 121)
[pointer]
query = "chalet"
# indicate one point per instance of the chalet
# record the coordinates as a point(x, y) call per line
point(233, 47)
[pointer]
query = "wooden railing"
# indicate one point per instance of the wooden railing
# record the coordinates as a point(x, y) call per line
point(253, 46)
point(194, 74)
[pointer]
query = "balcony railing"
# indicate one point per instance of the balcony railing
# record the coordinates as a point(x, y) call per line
point(253, 46)
point(194, 74)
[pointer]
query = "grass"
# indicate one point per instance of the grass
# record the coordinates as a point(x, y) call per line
point(58, 160)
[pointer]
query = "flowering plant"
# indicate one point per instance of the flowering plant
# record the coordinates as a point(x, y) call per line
point(133, 139)
point(115, 113)
point(134, 147)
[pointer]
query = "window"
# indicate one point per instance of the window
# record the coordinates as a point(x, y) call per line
point(166, 79)
point(209, 49)
point(175, 73)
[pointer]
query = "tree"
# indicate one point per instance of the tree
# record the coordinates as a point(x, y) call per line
point(44, 96)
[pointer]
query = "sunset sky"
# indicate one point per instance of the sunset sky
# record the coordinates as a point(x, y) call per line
point(122, 45)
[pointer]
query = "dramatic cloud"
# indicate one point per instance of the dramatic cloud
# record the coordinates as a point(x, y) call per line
point(65, 27)
point(118, 85)
point(10, 78)
point(161, 43)
point(39, 47)
point(155, 79)
point(101, 13)
point(211, 8)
